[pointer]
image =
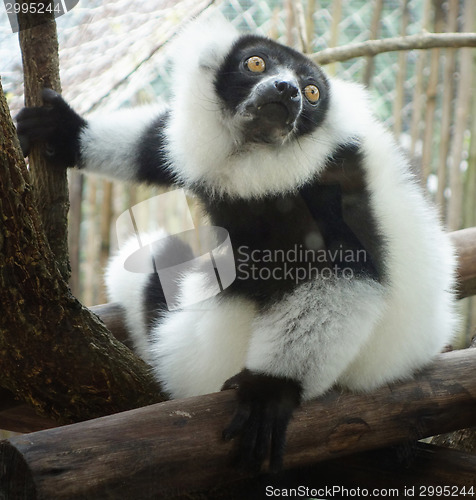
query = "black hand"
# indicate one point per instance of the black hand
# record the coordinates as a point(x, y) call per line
point(56, 125)
point(265, 407)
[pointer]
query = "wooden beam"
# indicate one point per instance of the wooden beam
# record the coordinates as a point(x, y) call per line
point(450, 472)
point(414, 465)
point(113, 317)
point(16, 416)
point(172, 447)
point(464, 241)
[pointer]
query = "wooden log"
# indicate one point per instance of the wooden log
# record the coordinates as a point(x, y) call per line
point(18, 417)
point(112, 316)
point(430, 471)
point(174, 447)
point(465, 243)
point(425, 465)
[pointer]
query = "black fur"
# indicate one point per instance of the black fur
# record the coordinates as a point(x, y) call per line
point(152, 160)
point(329, 218)
point(265, 407)
point(234, 82)
point(340, 204)
point(56, 125)
point(171, 251)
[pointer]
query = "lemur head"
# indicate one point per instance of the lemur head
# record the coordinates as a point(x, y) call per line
point(272, 91)
point(249, 116)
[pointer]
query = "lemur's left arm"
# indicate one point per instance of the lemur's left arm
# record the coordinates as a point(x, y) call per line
point(124, 145)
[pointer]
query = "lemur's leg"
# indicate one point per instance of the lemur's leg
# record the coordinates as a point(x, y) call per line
point(299, 347)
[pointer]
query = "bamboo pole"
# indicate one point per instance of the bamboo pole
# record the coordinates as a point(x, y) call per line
point(312, 7)
point(300, 26)
point(418, 94)
point(76, 184)
point(469, 206)
point(334, 36)
point(431, 99)
point(447, 107)
point(399, 100)
point(92, 242)
point(374, 31)
point(463, 100)
point(106, 218)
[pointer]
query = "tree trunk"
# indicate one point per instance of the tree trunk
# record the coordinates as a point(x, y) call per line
point(399, 100)
point(54, 353)
point(39, 47)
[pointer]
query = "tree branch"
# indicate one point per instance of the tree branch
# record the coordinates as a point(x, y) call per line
point(411, 42)
point(39, 47)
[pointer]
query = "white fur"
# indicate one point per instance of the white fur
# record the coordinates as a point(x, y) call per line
point(127, 289)
point(315, 332)
point(194, 351)
point(420, 317)
point(109, 143)
point(214, 158)
point(358, 333)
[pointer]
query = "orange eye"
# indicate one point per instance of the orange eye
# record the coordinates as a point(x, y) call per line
point(256, 64)
point(312, 93)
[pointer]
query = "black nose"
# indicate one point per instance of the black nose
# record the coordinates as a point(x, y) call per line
point(286, 89)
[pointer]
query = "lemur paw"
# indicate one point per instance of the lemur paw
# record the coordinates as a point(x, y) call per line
point(265, 407)
point(56, 125)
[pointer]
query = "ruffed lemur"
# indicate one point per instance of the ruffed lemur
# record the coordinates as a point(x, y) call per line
point(290, 162)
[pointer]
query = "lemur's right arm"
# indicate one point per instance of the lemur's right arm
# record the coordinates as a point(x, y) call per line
point(125, 145)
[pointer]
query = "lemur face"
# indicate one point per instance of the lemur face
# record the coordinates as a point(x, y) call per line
point(274, 92)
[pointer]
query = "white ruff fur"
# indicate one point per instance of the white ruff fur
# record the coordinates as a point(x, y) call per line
point(215, 159)
point(358, 334)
